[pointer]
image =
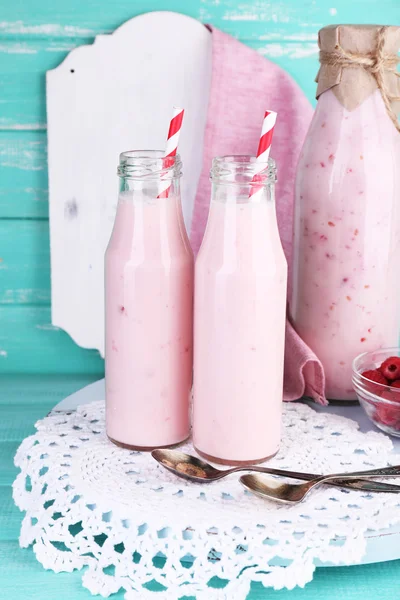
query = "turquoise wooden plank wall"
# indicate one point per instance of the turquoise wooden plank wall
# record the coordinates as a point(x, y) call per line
point(36, 35)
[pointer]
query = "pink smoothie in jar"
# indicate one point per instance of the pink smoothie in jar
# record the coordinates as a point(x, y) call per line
point(240, 304)
point(346, 291)
point(149, 311)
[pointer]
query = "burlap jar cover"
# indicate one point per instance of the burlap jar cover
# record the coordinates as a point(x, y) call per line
point(358, 59)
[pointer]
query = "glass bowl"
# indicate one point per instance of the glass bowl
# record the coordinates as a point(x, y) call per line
point(380, 402)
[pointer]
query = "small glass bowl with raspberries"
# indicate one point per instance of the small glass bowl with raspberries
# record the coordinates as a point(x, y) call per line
point(376, 381)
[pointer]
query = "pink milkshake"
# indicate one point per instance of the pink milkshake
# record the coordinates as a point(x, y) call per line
point(346, 292)
point(240, 302)
point(149, 304)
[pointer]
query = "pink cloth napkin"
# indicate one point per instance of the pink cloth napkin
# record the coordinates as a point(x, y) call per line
point(243, 86)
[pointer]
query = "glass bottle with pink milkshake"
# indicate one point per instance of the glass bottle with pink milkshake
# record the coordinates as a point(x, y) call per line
point(149, 307)
point(240, 302)
point(346, 291)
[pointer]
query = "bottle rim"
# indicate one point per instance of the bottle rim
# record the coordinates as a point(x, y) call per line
point(149, 165)
point(243, 169)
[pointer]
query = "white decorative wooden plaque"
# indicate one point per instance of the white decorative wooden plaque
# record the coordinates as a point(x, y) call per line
point(115, 95)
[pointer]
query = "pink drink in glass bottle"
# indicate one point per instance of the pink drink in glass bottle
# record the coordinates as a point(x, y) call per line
point(240, 304)
point(149, 308)
point(346, 289)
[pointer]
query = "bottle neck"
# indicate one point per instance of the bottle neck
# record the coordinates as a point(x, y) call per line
point(243, 194)
point(148, 173)
point(145, 189)
point(242, 179)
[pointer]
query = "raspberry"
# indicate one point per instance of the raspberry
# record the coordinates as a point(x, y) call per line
point(395, 384)
point(376, 376)
point(390, 368)
point(388, 415)
point(389, 395)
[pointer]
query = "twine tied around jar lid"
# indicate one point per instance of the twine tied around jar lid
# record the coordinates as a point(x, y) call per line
point(377, 63)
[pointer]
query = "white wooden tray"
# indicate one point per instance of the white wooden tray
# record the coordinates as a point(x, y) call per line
point(382, 545)
point(115, 95)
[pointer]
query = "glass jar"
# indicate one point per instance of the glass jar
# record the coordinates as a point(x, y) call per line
point(149, 306)
point(240, 303)
point(346, 290)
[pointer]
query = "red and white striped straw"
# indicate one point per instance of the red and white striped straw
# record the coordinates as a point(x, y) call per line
point(264, 146)
point(171, 146)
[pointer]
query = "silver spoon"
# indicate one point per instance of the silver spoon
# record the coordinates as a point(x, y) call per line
point(295, 492)
point(195, 469)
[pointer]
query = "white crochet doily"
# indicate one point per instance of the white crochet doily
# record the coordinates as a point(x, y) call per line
point(130, 522)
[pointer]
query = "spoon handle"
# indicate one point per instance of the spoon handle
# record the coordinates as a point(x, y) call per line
point(338, 479)
point(382, 472)
point(279, 472)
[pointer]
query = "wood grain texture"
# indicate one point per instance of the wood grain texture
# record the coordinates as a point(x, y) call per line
point(23, 175)
point(29, 343)
point(285, 32)
point(24, 260)
point(44, 18)
point(7, 469)
point(39, 391)
point(10, 517)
